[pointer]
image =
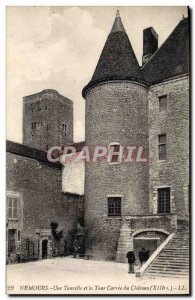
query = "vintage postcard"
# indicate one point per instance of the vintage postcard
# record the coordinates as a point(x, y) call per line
point(97, 198)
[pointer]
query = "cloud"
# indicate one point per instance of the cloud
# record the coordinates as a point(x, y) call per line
point(26, 24)
point(49, 48)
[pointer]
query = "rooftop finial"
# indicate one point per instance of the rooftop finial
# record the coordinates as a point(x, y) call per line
point(117, 26)
point(117, 14)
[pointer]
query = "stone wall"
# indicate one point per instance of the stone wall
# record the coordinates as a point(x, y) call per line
point(115, 112)
point(140, 223)
point(39, 187)
point(174, 171)
point(50, 111)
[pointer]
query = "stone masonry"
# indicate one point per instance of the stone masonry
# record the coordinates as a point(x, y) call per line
point(116, 112)
point(53, 115)
point(174, 122)
point(38, 186)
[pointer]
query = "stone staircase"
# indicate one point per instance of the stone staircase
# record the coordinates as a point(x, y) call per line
point(173, 260)
point(125, 242)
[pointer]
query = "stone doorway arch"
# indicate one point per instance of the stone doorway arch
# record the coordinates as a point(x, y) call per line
point(149, 239)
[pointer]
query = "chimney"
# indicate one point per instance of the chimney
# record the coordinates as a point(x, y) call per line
point(150, 44)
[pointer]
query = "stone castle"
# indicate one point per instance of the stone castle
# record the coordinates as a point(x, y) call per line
point(108, 208)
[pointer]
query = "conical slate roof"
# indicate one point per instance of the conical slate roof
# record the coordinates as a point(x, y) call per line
point(117, 60)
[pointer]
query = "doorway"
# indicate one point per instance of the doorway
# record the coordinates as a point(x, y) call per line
point(44, 249)
point(11, 241)
point(147, 243)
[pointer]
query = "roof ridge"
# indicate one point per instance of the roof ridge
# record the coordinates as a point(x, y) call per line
point(163, 43)
point(172, 58)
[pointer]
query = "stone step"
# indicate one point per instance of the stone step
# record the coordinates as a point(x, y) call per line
point(180, 258)
point(166, 275)
point(183, 234)
point(172, 248)
point(173, 260)
point(168, 255)
point(182, 238)
point(177, 261)
point(170, 263)
point(161, 261)
point(169, 271)
point(177, 251)
point(177, 246)
point(181, 243)
point(124, 243)
point(171, 256)
point(124, 246)
point(172, 253)
point(168, 267)
point(184, 244)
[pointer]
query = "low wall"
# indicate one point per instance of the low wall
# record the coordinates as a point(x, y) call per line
point(165, 222)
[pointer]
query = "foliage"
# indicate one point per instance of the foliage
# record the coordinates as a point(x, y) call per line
point(57, 235)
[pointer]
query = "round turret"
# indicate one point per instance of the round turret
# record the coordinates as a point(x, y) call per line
point(116, 116)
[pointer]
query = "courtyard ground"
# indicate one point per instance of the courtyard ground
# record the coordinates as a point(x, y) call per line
point(78, 276)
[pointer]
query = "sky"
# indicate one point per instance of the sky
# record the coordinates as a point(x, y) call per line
point(59, 47)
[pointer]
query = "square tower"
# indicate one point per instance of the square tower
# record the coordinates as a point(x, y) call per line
point(47, 120)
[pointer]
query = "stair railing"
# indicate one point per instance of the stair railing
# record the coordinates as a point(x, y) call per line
point(140, 272)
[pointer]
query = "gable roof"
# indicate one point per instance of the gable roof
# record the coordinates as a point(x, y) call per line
point(37, 154)
point(30, 152)
point(172, 58)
